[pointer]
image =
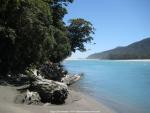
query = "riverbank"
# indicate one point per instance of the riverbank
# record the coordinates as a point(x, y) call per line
point(76, 103)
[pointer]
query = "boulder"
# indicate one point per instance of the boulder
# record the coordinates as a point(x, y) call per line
point(31, 98)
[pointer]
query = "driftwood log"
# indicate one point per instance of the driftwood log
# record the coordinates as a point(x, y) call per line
point(50, 91)
point(70, 79)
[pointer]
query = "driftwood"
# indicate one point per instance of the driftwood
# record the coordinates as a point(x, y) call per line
point(70, 79)
point(50, 91)
point(31, 98)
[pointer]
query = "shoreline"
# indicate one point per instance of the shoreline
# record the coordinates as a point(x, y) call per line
point(140, 60)
point(77, 102)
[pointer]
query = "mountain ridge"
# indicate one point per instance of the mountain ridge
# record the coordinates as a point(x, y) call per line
point(136, 50)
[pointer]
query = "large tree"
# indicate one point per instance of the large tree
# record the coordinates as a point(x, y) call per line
point(33, 32)
point(26, 34)
point(62, 48)
point(79, 32)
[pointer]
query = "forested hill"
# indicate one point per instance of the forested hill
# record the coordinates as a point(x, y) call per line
point(137, 50)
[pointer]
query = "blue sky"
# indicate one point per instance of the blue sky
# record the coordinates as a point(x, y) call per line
point(117, 22)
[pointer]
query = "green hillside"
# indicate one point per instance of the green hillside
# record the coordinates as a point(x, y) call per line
point(137, 50)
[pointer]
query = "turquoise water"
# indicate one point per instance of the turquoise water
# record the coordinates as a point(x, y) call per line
point(122, 85)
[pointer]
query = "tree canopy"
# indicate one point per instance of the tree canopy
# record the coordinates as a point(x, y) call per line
point(79, 33)
point(33, 32)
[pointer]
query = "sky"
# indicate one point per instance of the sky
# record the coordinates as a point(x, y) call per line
point(117, 22)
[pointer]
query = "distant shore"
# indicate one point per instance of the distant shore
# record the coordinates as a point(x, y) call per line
point(140, 60)
point(111, 60)
point(108, 59)
point(76, 103)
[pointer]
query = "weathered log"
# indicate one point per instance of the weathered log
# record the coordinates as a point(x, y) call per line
point(69, 79)
point(49, 90)
point(31, 98)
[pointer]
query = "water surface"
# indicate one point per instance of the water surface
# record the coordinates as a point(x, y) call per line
point(122, 85)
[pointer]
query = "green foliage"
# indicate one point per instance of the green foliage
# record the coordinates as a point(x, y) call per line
point(7, 37)
point(26, 30)
point(59, 10)
point(33, 32)
point(62, 47)
point(79, 33)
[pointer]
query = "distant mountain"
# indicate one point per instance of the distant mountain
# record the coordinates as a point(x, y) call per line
point(137, 50)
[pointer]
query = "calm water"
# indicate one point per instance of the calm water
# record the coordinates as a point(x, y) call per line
point(122, 85)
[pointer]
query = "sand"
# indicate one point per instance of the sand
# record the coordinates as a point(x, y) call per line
point(76, 103)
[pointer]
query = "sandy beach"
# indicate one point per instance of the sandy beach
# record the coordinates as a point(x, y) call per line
point(76, 103)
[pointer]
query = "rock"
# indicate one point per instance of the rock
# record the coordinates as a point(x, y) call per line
point(50, 91)
point(70, 79)
point(31, 98)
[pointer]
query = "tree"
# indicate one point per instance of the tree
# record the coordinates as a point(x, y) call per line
point(79, 33)
point(26, 34)
point(33, 32)
point(62, 48)
point(59, 10)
